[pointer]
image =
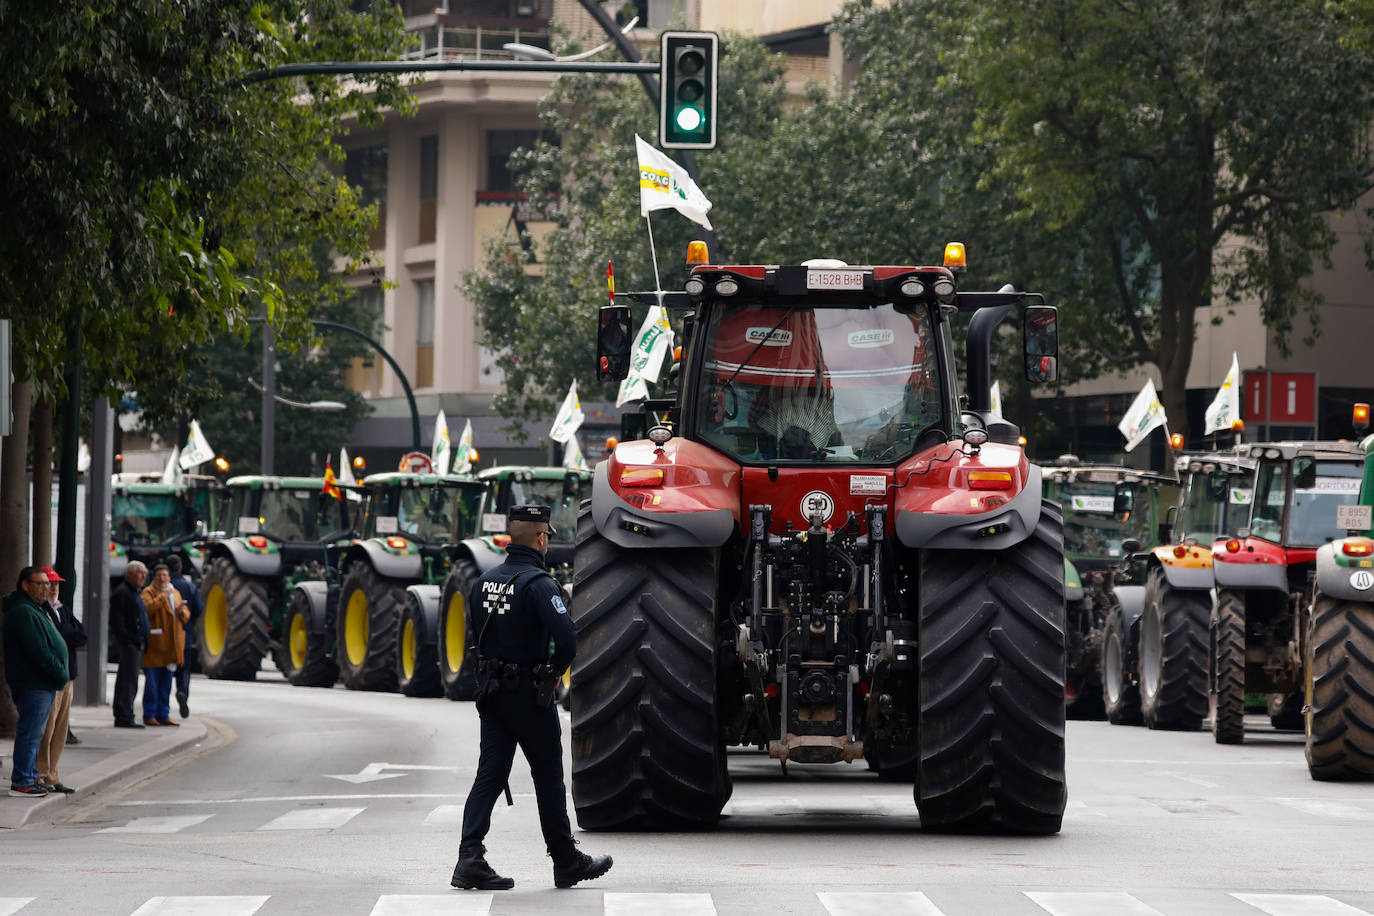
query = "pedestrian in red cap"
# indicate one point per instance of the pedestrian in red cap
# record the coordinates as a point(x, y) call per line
point(55, 734)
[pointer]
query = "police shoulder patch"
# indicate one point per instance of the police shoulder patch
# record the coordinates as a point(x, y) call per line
point(558, 605)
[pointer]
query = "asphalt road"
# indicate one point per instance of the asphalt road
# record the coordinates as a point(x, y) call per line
point(306, 800)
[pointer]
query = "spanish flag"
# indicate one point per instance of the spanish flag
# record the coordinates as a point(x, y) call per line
point(330, 487)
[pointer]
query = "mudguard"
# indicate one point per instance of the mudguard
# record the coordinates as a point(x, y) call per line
point(1192, 570)
point(483, 553)
point(426, 598)
point(250, 561)
point(1013, 523)
point(407, 565)
point(1130, 598)
point(1343, 577)
point(626, 526)
point(1251, 575)
point(317, 602)
point(1073, 583)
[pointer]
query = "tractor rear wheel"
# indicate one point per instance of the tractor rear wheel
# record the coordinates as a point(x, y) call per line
point(645, 749)
point(1340, 689)
point(369, 607)
point(1173, 654)
point(232, 633)
point(1120, 692)
point(1227, 695)
point(417, 663)
point(304, 658)
point(992, 685)
point(457, 643)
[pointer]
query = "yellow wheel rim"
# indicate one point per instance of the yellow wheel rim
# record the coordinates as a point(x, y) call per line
point(216, 620)
point(567, 678)
point(408, 648)
point(355, 627)
point(455, 633)
point(298, 642)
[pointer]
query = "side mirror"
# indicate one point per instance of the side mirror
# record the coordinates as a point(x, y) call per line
point(613, 343)
point(1040, 342)
point(200, 528)
point(1130, 546)
point(1123, 500)
point(633, 425)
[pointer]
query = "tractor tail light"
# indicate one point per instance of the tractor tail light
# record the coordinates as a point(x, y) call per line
point(501, 540)
point(1233, 546)
point(989, 480)
point(1180, 551)
point(257, 542)
point(1358, 547)
point(396, 543)
point(112, 547)
point(641, 477)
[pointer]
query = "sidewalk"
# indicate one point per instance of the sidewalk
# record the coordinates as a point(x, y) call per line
point(105, 755)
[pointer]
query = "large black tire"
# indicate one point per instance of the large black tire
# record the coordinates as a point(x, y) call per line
point(645, 749)
point(369, 608)
point(232, 633)
point(1285, 711)
point(1172, 655)
point(417, 659)
point(1227, 693)
point(992, 685)
point(1083, 687)
point(304, 656)
point(457, 650)
point(1340, 689)
point(1120, 691)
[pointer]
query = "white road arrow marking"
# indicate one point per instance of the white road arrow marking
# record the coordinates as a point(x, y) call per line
point(373, 771)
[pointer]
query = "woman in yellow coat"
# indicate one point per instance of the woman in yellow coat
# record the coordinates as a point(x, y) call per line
point(167, 616)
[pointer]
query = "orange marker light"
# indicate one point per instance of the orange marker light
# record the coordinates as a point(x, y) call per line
point(1180, 551)
point(1233, 546)
point(1176, 442)
point(696, 253)
point(611, 443)
point(221, 464)
point(501, 540)
point(641, 477)
point(989, 480)
point(1360, 416)
point(396, 543)
point(1358, 547)
point(956, 258)
point(1237, 426)
point(359, 462)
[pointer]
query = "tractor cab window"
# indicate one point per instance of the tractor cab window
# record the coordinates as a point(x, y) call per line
point(1319, 487)
point(553, 493)
point(290, 515)
point(826, 384)
point(147, 518)
point(428, 514)
point(1100, 515)
point(1204, 512)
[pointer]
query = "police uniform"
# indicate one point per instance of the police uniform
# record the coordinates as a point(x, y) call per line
point(525, 641)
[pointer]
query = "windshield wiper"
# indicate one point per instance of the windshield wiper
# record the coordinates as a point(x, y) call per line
point(758, 346)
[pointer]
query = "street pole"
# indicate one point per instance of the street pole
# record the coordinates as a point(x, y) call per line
point(66, 468)
point(269, 391)
point(95, 592)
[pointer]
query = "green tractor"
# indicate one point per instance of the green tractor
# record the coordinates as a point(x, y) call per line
point(151, 520)
point(503, 487)
point(388, 604)
point(1109, 511)
point(287, 533)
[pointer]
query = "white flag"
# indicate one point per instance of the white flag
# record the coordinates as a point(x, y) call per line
point(440, 452)
point(1225, 407)
point(654, 341)
point(1145, 414)
point(346, 469)
point(171, 475)
point(569, 417)
point(996, 399)
point(464, 450)
point(197, 450)
point(572, 455)
point(83, 458)
point(664, 183)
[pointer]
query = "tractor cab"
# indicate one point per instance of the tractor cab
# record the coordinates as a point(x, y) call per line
point(290, 516)
point(150, 520)
point(560, 488)
point(420, 513)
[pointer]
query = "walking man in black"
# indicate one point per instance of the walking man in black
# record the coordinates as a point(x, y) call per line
point(129, 632)
point(526, 641)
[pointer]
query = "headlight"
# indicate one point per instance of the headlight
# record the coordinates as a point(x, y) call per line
point(694, 286)
point(727, 287)
point(943, 287)
point(912, 287)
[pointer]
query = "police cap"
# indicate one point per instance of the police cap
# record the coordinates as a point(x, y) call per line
point(533, 513)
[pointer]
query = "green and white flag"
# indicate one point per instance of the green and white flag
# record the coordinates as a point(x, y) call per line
point(171, 475)
point(346, 469)
point(464, 462)
point(441, 452)
point(569, 417)
point(654, 341)
point(1145, 414)
point(197, 450)
point(1225, 407)
point(665, 184)
point(996, 399)
point(573, 458)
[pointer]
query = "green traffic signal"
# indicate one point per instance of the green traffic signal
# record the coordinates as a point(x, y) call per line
point(687, 93)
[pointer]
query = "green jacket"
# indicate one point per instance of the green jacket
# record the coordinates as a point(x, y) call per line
point(35, 655)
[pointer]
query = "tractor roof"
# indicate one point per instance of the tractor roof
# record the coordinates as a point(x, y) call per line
point(1327, 451)
point(403, 479)
point(1105, 473)
point(257, 482)
point(531, 473)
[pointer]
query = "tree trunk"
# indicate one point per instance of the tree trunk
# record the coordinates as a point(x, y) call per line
point(41, 426)
point(14, 526)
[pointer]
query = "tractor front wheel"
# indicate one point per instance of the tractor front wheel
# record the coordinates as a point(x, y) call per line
point(304, 658)
point(1173, 654)
point(1120, 692)
point(1227, 695)
point(369, 607)
point(1340, 689)
point(417, 667)
point(232, 633)
point(457, 643)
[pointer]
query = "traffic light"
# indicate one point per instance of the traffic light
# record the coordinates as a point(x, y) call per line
point(687, 90)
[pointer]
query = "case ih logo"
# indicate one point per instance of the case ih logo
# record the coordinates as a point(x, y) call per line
point(817, 501)
point(779, 338)
point(864, 340)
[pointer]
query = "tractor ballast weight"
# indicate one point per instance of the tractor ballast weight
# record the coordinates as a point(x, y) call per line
point(819, 554)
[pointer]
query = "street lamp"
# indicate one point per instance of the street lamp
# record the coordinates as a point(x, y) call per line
point(531, 52)
point(306, 405)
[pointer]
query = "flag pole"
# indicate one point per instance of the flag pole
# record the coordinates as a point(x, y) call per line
point(658, 286)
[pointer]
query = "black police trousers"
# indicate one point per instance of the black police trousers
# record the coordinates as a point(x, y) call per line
point(510, 718)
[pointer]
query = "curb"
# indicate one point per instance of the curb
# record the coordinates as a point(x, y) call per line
point(102, 773)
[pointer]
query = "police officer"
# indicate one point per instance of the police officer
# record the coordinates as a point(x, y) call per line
point(526, 640)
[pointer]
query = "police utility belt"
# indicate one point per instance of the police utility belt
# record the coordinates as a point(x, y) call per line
point(495, 675)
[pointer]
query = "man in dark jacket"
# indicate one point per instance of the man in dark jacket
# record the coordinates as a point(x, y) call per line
point(191, 595)
point(129, 633)
point(36, 668)
point(55, 735)
point(526, 641)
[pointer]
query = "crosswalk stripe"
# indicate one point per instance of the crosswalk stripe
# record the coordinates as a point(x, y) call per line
point(11, 905)
point(432, 905)
point(170, 824)
point(658, 904)
point(878, 903)
point(1323, 808)
point(1299, 905)
point(313, 819)
point(444, 816)
point(200, 906)
point(1091, 903)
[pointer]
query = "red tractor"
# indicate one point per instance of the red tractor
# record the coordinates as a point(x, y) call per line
point(822, 551)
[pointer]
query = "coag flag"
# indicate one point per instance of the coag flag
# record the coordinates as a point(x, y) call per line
point(1225, 407)
point(464, 463)
point(330, 487)
point(441, 451)
point(1145, 414)
point(171, 474)
point(345, 469)
point(663, 184)
point(572, 455)
point(197, 450)
point(569, 417)
point(652, 344)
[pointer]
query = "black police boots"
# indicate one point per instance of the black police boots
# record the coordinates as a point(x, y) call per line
point(473, 873)
point(577, 866)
